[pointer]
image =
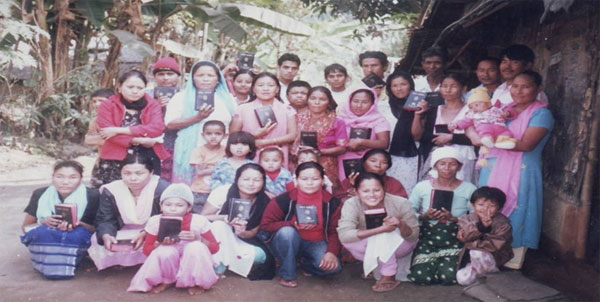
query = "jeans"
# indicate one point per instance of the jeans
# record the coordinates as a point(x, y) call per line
point(287, 246)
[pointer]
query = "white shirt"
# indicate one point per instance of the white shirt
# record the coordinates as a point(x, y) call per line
point(422, 85)
point(218, 196)
point(283, 93)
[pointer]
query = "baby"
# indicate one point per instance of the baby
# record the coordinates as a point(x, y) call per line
point(489, 121)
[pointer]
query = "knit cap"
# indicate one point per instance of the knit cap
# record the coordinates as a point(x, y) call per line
point(445, 152)
point(179, 190)
point(479, 95)
point(166, 64)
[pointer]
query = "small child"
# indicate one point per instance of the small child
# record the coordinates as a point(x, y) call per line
point(92, 137)
point(297, 94)
point(487, 235)
point(310, 155)
point(240, 149)
point(186, 261)
point(204, 158)
point(271, 159)
point(489, 121)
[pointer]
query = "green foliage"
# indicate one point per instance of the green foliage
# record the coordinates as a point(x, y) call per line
point(58, 118)
point(365, 10)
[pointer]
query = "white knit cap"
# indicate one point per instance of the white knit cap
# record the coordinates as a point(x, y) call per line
point(180, 190)
point(445, 152)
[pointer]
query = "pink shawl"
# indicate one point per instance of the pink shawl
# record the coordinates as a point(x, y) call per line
point(506, 174)
point(132, 212)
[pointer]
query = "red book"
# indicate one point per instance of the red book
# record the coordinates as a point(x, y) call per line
point(68, 213)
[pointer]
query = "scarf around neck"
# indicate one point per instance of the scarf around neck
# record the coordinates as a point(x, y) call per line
point(368, 120)
point(402, 143)
point(138, 105)
point(132, 212)
point(257, 209)
point(50, 198)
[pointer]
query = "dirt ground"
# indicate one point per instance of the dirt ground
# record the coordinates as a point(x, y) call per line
point(19, 282)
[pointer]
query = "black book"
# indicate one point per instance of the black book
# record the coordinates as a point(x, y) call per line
point(413, 100)
point(67, 212)
point(442, 128)
point(360, 133)
point(441, 199)
point(264, 115)
point(169, 92)
point(240, 208)
point(434, 99)
point(374, 218)
point(309, 139)
point(205, 97)
point(306, 214)
point(352, 166)
point(245, 60)
point(169, 227)
point(372, 80)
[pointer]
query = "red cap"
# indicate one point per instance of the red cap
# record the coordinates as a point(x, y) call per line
point(166, 63)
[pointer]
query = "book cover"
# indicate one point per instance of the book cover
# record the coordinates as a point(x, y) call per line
point(364, 133)
point(372, 80)
point(169, 227)
point(309, 139)
point(245, 60)
point(413, 100)
point(306, 214)
point(168, 92)
point(240, 208)
point(374, 218)
point(352, 166)
point(442, 128)
point(124, 238)
point(264, 115)
point(68, 212)
point(441, 199)
point(205, 97)
point(434, 99)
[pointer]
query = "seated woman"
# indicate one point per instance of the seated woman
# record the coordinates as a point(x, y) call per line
point(125, 207)
point(436, 256)
point(376, 161)
point(316, 244)
point(241, 249)
point(396, 236)
point(56, 246)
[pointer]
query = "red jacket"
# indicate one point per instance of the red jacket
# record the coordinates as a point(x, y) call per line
point(111, 114)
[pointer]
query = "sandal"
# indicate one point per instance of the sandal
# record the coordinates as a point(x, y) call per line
point(290, 284)
point(385, 286)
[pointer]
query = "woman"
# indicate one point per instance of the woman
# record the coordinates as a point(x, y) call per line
point(361, 112)
point(436, 256)
point(396, 237)
point(321, 118)
point(242, 86)
point(130, 122)
point(453, 88)
point(376, 161)
point(266, 94)
point(518, 172)
point(56, 246)
point(241, 249)
point(182, 115)
point(125, 206)
point(403, 148)
point(317, 245)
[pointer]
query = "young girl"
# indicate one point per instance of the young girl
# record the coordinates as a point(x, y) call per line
point(271, 159)
point(240, 149)
point(185, 261)
point(242, 84)
point(487, 235)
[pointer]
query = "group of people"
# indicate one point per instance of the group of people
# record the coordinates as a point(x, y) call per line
point(334, 174)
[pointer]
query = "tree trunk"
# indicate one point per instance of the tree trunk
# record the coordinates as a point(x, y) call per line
point(43, 52)
point(63, 38)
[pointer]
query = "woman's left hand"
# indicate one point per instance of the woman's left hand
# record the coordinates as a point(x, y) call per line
point(442, 139)
point(139, 240)
point(329, 262)
point(355, 144)
point(239, 226)
point(65, 226)
point(187, 235)
point(447, 215)
point(392, 220)
point(108, 132)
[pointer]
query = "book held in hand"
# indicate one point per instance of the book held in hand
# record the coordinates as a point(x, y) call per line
point(434, 99)
point(169, 227)
point(352, 166)
point(306, 214)
point(204, 98)
point(309, 139)
point(245, 60)
point(371, 80)
point(442, 128)
point(374, 217)
point(168, 92)
point(413, 100)
point(67, 212)
point(265, 115)
point(441, 199)
point(364, 133)
point(240, 208)
point(124, 238)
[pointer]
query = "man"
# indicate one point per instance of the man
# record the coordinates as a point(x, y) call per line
point(488, 74)
point(433, 61)
point(287, 68)
point(374, 62)
point(514, 60)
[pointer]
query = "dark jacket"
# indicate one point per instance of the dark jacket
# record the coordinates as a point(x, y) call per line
point(495, 239)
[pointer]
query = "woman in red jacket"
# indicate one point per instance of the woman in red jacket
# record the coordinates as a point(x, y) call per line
point(130, 122)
